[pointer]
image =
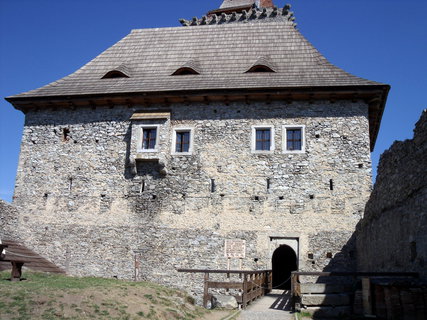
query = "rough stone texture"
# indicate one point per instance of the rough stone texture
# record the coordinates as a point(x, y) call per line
point(226, 302)
point(83, 206)
point(324, 288)
point(8, 221)
point(393, 234)
point(330, 299)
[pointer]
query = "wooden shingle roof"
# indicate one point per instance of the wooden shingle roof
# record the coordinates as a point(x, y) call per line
point(223, 53)
point(220, 49)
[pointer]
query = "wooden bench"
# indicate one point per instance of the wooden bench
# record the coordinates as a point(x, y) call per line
point(16, 268)
point(16, 265)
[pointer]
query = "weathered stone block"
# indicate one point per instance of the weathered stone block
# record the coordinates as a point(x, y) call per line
point(225, 302)
point(329, 299)
point(324, 288)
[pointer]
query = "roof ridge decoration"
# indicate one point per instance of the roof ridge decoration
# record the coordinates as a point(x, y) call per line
point(245, 16)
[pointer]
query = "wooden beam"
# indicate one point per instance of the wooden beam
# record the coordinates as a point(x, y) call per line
point(225, 285)
point(206, 100)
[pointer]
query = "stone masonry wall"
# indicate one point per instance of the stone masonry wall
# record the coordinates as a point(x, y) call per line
point(88, 209)
point(8, 221)
point(393, 234)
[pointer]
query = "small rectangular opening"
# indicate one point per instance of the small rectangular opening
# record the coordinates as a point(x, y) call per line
point(65, 134)
point(331, 184)
point(213, 185)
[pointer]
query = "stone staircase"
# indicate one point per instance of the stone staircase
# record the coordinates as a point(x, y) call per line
point(33, 261)
point(324, 300)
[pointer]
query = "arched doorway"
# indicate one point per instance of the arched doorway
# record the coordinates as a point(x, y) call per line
point(284, 261)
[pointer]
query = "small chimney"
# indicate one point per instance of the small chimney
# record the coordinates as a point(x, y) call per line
point(265, 4)
point(227, 4)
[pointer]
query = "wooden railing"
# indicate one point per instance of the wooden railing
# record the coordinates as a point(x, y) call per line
point(251, 284)
point(296, 285)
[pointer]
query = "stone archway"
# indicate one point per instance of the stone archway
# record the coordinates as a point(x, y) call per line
point(283, 262)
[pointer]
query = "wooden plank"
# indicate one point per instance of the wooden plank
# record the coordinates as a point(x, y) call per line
point(395, 303)
point(366, 294)
point(380, 306)
point(408, 306)
point(225, 285)
point(206, 290)
point(420, 307)
point(223, 271)
point(360, 274)
point(245, 291)
point(388, 303)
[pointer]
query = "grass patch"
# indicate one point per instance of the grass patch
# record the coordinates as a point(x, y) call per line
point(303, 315)
point(51, 296)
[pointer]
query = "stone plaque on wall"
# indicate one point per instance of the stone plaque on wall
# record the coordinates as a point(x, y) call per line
point(235, 248)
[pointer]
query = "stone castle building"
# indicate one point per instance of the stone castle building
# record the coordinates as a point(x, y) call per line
point(174, 140)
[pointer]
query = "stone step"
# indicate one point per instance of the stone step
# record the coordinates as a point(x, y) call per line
point(328, 312)
point(325, 288)
point(329, 299)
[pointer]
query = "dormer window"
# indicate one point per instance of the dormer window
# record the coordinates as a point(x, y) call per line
point(114, 74)
point(260, 68)
point(188, 68)
point(262, 64)
point(122, 71)
point(184, 71)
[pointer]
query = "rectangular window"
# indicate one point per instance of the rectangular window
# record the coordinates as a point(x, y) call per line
point(293, 139)
point(262, 139)
point(149, 137)
point(182, 141)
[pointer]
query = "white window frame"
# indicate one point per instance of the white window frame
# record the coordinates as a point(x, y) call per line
point(253, 138)
point(285, 135)
point(190, 148)
point(141, 136)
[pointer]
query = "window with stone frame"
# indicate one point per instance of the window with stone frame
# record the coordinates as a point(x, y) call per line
point(182, 143)
point(294, 138)
point(149, 138)
point(262, 139)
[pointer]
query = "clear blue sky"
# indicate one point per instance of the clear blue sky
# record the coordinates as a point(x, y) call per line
point(44, 40)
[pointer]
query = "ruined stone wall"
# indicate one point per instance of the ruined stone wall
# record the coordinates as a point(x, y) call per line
point(88, 209)
point(393, 234)
point(8, 221)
